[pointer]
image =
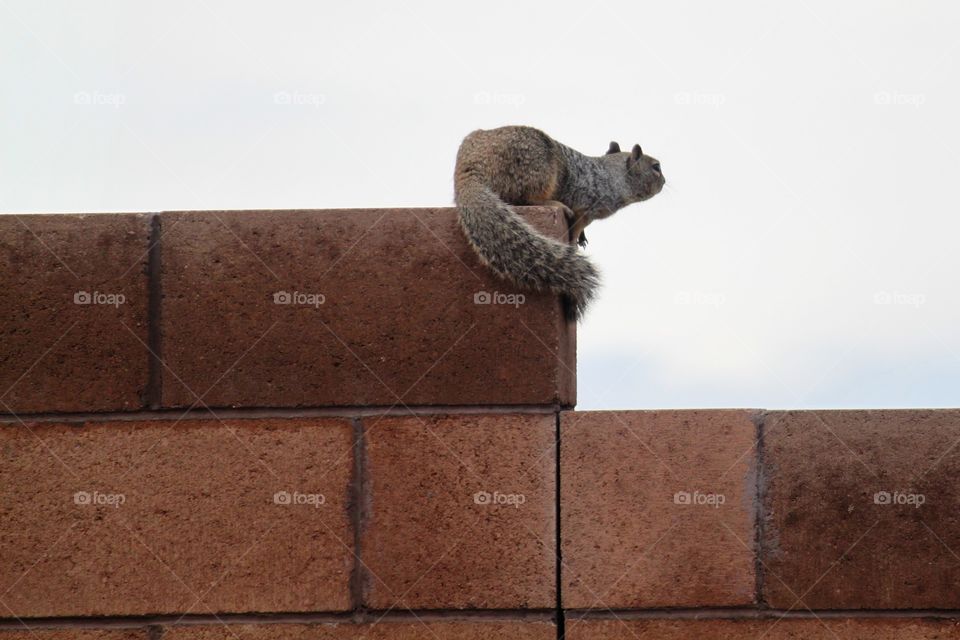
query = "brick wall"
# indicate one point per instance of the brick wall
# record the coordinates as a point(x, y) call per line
point(325, 425)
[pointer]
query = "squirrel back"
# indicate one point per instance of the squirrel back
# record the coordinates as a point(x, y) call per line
point(524, 166)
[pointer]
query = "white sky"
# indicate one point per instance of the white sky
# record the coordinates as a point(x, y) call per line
point(804, 254)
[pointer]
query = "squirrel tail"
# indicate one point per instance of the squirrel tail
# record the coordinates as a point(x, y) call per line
point(515, 250)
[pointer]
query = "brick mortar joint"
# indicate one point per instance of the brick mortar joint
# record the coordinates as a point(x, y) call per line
point(156, 625)
point(216, 412)
point(154, 390)
point(558, 505)
point(358, 518)
point(759, 512)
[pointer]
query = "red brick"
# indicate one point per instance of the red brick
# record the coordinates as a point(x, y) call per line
point(421, 630)
point(398, 324)
point(428, 544)
point(73, 634)
point(827, 544)
point(59, 355)
point(789, 629)
point(626, 543)
point(198, 530)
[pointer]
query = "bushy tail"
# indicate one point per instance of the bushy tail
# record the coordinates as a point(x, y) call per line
point(515, 250)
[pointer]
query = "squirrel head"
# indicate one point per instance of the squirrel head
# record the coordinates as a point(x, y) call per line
point(644, 179)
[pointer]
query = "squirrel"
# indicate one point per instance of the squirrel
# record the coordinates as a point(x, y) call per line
point(520, 165)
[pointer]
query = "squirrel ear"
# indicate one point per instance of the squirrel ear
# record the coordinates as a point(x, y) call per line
point(636, 153)
point(614, 148)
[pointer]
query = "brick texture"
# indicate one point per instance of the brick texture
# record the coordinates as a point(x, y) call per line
point(462, 630)
point(197, 529)
point(628, 539)
point(461, 512)
point(792, 629)
point(828, 544)
point(59, 354)
point(74, 634)
point(397, 324)
point(668, 518)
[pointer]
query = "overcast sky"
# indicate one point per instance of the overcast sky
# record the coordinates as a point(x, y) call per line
point(804, 253)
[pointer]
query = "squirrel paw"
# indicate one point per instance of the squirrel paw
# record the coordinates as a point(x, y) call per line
point(582, 240)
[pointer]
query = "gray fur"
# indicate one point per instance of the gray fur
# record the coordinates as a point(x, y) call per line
point(524, 166)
